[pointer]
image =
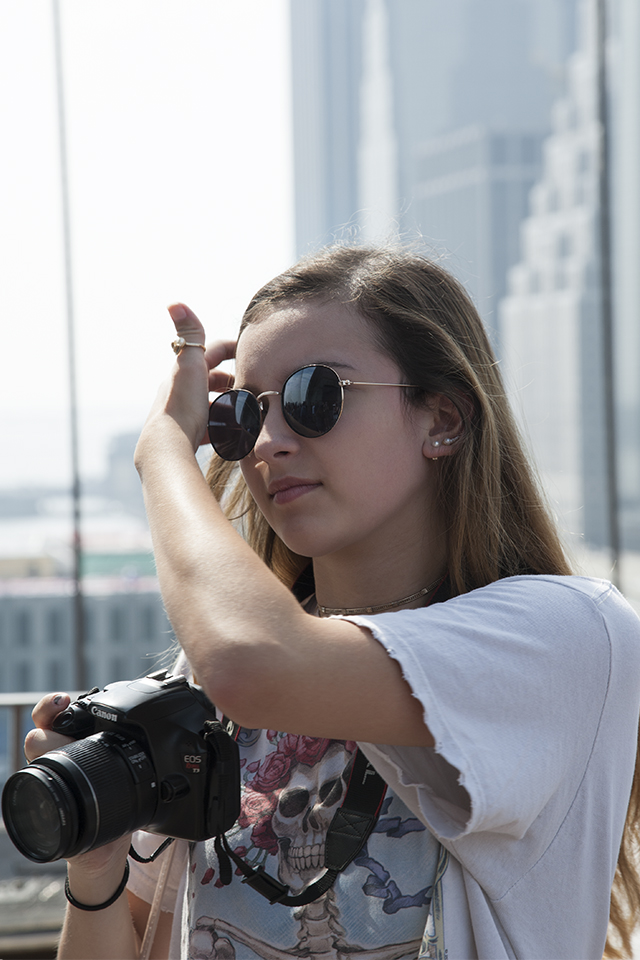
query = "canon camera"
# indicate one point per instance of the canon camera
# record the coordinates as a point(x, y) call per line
point(147, 753)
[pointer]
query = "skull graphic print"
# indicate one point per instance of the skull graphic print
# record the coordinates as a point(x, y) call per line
point(291, 788)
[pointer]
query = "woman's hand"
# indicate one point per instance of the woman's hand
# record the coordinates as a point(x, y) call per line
point(43, 738)
point(108, 859)
point(185, 396)
point(93, 877)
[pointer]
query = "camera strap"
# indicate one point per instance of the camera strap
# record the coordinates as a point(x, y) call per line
point(352, 823)
point(348, 832)
point(163, 846)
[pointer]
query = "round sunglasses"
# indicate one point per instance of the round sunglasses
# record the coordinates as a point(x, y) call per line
point(311, 398)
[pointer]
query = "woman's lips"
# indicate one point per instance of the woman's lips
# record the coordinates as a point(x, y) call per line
point(285, 491)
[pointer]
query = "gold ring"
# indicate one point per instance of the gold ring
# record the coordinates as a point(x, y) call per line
point(180, 343)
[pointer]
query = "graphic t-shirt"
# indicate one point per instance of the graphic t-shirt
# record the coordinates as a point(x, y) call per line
point(531, 689)
point(291, 789)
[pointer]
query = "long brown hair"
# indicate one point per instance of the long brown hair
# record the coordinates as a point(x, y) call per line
point(497, 521)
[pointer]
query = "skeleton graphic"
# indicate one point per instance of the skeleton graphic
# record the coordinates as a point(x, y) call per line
point(319, 935)
point(301, 819)
point(305, 809)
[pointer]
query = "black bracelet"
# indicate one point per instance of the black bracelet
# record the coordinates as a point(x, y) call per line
point(97, 906)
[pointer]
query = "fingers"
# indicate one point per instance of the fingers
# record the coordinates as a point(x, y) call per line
point(39, 741)
point(189, 327)
point(43, 739)
point(47, 709)
point(218, 351)
point(186, 323)
point(220, 380)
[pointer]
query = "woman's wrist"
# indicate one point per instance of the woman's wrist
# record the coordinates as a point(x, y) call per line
point(180, 408)
point(94, 876)
point(93, 889)
point(102, 904)
point(162, 443)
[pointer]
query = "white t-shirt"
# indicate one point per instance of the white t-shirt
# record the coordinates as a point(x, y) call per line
point(531, 688)
point(291, 789)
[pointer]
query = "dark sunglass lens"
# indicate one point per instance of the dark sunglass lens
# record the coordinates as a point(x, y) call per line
point(312, 401)
point(234, 424)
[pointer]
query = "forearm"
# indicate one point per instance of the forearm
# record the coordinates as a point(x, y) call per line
point(107, 934)
point(225, 606)
point(258, 656)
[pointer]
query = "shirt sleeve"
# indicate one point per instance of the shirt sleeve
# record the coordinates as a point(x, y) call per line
point(512, 679)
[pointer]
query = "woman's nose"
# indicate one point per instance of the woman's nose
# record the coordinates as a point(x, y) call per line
point(276, 438)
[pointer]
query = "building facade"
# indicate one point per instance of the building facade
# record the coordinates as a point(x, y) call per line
point(127, 632)
point(474, 184)
point(488, 122)
point(551, 318)
point(326, 49)
point(625, 70)
point(386, 91)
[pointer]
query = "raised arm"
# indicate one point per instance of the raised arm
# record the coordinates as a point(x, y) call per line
point(259, 656)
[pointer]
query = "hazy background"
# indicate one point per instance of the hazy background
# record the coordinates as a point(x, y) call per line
point(179, 155)
point(212, 142)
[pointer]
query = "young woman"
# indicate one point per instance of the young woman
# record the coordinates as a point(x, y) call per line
point(398, 602)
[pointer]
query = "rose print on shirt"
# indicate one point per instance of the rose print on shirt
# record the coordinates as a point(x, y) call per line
point(289, 798)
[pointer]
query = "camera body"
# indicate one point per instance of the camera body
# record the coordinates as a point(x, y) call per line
point(147, 753)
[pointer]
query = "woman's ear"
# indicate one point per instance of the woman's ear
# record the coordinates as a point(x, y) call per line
point(447, 428)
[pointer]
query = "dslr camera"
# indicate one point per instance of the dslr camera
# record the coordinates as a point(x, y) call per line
point(147, 753)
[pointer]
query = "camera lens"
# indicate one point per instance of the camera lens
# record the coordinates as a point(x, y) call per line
point(79, 797)
point(40, 814)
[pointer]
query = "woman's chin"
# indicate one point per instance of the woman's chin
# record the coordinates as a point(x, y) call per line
point(311, 543)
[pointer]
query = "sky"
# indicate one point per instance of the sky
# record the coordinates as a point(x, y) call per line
point(179, 146)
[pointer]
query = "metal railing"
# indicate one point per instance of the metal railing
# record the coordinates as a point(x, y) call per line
point(18, 706)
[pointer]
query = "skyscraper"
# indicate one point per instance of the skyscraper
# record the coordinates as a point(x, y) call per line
point(626, 206)
point(326, 50)
point(471, 192)
point(483, 124)
point(551, 316)
point(387, 90)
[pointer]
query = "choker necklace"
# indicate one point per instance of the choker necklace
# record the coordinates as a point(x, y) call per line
point(353, 611)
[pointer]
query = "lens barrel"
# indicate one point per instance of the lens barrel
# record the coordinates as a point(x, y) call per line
point(40, 814)
point(79, 797)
